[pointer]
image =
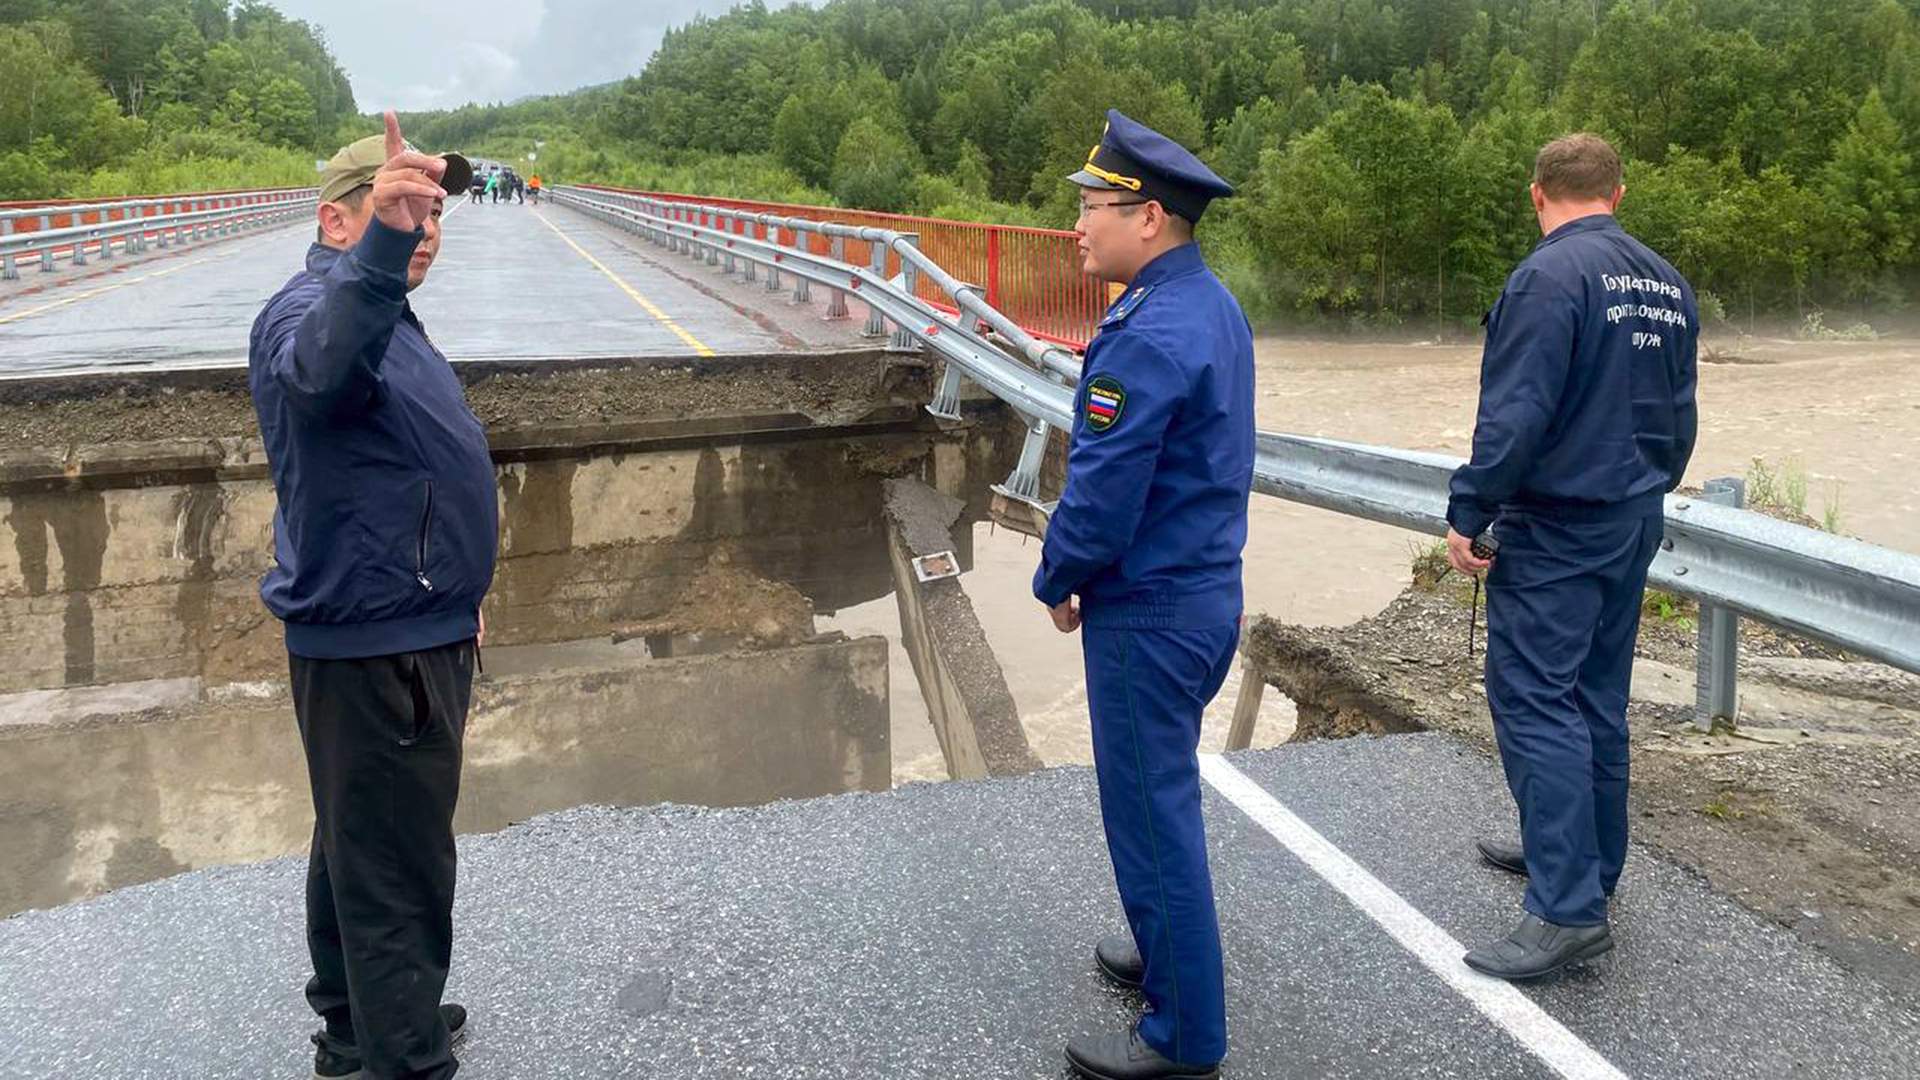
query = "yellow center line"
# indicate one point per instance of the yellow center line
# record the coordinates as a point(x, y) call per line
point(76, 297)
point(698, 346)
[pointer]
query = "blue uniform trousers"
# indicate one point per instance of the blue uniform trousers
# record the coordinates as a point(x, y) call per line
point(1147, 690)
point(1563, 610)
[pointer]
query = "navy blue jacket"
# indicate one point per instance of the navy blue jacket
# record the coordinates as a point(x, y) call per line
point(1586, 384)
point(388, 520)
point(1150, 527)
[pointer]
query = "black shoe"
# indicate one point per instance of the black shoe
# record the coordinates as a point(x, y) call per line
point(1537, 947)
point(1127, 1057)
point(337, 1059)
point(334, 1059)
point(1119, 960)
point(1509, 857)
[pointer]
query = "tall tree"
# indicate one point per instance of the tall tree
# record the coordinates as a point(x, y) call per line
point(1872, 194)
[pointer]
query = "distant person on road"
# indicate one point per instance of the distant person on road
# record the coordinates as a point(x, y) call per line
point(1144, 551)
point(519, 189)
point(476, 188)
point(1586, 421)
point(383, 549)
point(533, 186)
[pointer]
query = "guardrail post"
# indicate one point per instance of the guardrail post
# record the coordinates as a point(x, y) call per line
point(713, 252)
point(1717, 663)
point(837, 302)
point(802, 288)
point(749, 272)
point(46, 253)
point(79, 246)
point(8, 271)
point(876, 262)
point(904, 342)
point(160, 230)
point(946, 398)
point(1024, 481)
point(773, 268)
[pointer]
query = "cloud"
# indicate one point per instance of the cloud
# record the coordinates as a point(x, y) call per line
point(407, 55)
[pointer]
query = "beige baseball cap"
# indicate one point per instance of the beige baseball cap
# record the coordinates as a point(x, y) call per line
point(357, 162)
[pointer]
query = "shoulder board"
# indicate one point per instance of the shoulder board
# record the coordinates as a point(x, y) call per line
point(1126, 305)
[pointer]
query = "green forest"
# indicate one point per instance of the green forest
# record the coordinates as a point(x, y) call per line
point(121, 97)
point(1381, 149)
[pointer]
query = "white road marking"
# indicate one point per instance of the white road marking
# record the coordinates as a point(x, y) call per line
point(1529, 1025)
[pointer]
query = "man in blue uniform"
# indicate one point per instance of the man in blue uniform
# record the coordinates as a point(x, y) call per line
point(1586, 421)
point(1144, 550)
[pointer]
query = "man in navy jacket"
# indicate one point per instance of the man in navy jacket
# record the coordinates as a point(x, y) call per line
point(383, 548)
point(1586, 421)
point(1144, 550)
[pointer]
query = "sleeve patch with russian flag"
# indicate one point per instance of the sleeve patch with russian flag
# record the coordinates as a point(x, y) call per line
point(1106, 400)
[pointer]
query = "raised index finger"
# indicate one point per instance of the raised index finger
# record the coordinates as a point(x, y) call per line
point(395, 144)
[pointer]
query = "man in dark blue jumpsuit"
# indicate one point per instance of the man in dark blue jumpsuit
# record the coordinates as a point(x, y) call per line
point(1586, 421)
point(1148, 536)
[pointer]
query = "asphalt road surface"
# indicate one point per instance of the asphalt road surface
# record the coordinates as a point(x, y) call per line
point(945, 930)
point(511, 280)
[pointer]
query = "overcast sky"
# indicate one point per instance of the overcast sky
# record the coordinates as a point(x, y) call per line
point(405, 54)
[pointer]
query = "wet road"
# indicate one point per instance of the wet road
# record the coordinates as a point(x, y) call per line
point(510, 281)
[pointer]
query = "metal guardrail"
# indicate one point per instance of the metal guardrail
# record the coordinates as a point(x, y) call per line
point(1032, 274)
point(137, 220)
point(1863, 598)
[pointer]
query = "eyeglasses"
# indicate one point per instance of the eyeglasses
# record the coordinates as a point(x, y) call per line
point(1088, 208)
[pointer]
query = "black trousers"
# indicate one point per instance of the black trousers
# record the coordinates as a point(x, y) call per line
point(383, 740)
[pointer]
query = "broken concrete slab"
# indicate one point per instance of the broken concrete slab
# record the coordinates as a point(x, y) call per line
point(972, 710)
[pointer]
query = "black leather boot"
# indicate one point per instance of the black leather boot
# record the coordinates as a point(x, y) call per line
point(1537, 947)
point(1509, 857)
point(337, 1059)
point(1127, 1057)
point(1119, 960)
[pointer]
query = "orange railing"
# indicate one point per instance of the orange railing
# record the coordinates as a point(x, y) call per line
point(28, 216)
point(1033, 275)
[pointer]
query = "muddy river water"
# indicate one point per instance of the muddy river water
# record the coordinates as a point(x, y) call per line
point(1846, 414)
